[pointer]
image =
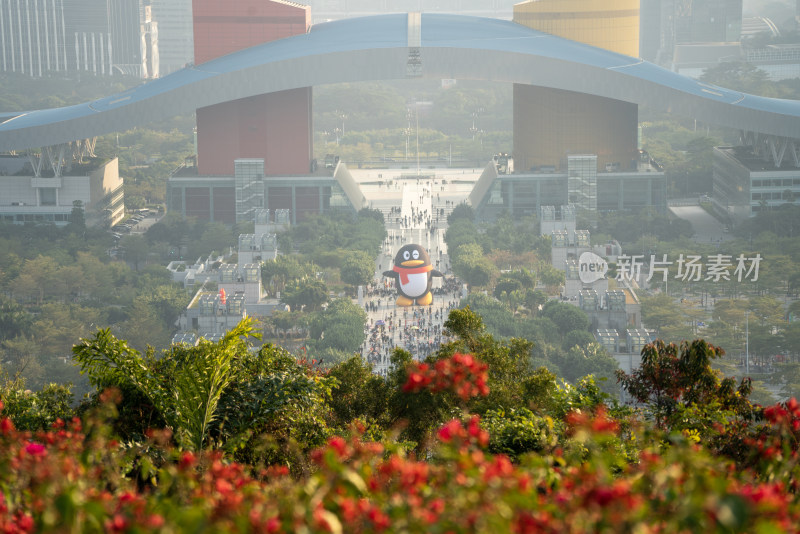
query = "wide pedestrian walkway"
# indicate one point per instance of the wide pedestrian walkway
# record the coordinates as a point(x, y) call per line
point(415, 212)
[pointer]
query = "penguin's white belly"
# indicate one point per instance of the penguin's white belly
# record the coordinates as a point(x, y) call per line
point(417, 285)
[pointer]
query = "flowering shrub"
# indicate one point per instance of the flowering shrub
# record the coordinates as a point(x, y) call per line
point(461, 374)
point(74, 477)
point(537, 457)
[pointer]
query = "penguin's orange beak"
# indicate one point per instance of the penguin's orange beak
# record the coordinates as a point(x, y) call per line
point(412, 263)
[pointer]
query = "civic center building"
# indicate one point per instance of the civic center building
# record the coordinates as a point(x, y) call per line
point(577, 84)
point(571, 147)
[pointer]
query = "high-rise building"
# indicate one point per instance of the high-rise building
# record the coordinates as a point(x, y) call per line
point(32, 36)
point(175, 46)
point(708, 21)
point(274, 127)
point(656, 30)
point(556, 122)
point(667, 24)
point(99, 36)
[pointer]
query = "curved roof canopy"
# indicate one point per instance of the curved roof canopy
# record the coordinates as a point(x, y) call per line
point(387, 47)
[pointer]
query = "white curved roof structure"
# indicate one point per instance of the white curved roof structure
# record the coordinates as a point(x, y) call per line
point(387, 47)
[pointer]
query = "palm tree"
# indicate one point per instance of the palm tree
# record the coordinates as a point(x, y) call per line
point(187, 397)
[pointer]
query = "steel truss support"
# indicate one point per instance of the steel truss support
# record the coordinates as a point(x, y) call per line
point(772, 147)
point(56, 156)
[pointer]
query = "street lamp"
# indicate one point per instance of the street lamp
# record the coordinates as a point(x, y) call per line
point(342, 116)
point(408, 129)
point(747, 342)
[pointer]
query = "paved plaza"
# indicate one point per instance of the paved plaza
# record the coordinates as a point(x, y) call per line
point(415, 208)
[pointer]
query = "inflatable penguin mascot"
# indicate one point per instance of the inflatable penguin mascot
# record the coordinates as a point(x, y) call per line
point(413, 274)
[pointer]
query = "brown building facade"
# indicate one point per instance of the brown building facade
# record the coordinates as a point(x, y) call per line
point(549, 124)
point(273, 127)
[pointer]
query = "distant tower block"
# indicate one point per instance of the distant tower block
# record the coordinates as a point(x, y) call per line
point(551, 123)
point(274, 127)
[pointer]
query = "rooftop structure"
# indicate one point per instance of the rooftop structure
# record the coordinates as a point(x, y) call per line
point(748, 179)
point(450, 46)
point(31, 191)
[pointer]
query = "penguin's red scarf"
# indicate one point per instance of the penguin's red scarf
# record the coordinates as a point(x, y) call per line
point(405, 271)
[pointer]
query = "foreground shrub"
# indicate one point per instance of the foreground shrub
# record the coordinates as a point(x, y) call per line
point(74, 478)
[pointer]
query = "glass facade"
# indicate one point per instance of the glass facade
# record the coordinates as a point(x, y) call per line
point(522, 195)
point(525, 194)
point(609, 339)
point(631, 191)
point(249, 185)
point(582, 183)
point(302, 197)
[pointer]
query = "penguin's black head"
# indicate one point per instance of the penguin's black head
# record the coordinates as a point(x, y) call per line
point(411, 256)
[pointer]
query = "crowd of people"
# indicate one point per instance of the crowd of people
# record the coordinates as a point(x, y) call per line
point(417, 329)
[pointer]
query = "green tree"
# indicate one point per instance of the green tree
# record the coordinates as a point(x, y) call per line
point(579, 338)
point(358, 268)
point(274, 408)
point(21, 357)
point(738, 76)
point(187, 399)
point(551, 277)
point(36, 410)
point(534, 299)
point(660, 311)
point(136, 249)
point(340, 326)
point(359, 393)
point(168, 301)
point(592, 359)
point(284, 269)
point(462, 211)
point(143, 326)
point(14, 319)
point(307, 293)
point(566, 316)
point(77, 222)
point(470, 265)
point(36, 277)
point(682, 392)
point(460, 232)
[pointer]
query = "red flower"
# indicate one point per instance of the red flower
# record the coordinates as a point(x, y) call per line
point(25, 523)
point(451, 430)
point(223, 486)
point(339, 445)
point(379, 519)
point(116, 524)
point(35, 449)
point(187, 460)
point(6, 425)
point(155, 521)
point(793, 406)
point(475, 432)
point(461, 373)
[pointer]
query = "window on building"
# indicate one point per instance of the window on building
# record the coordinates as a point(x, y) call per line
point(47, 196)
